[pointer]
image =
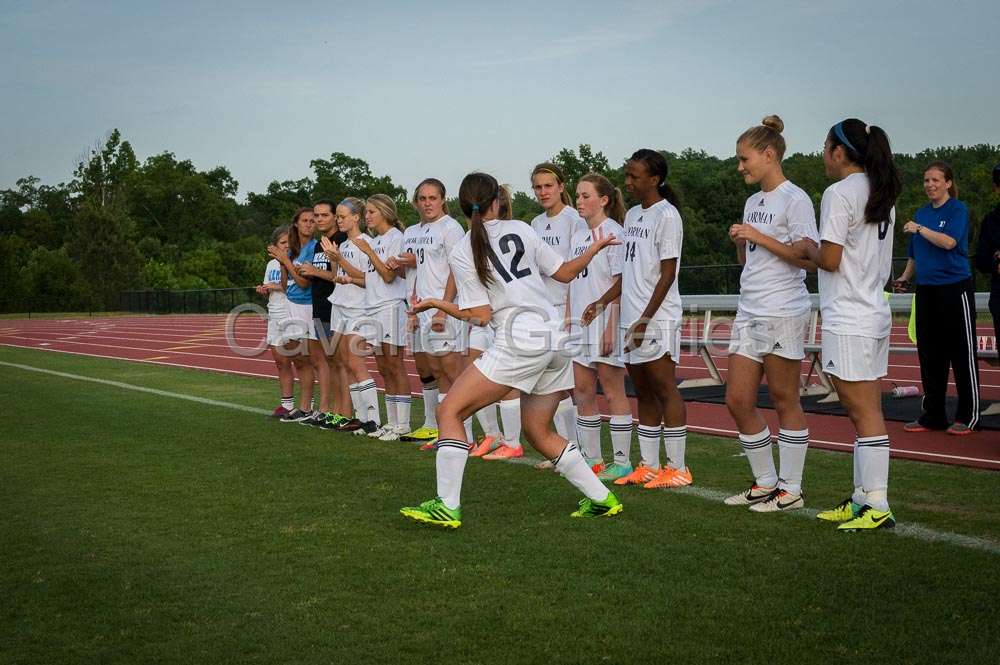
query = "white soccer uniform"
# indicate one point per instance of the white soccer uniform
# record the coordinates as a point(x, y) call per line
point(591, 284)
point(774, 305)
point(651, 235)
point(855, 314)
point(433, 243)
point(348, 300)
point(385, 302)
point(277, 305)
point(557, 232)
point(527, 327)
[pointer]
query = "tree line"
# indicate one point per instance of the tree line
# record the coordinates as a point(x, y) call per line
point(162, 224)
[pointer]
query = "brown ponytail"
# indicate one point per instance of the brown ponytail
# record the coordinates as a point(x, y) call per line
point(868, 147)
point(476, 194)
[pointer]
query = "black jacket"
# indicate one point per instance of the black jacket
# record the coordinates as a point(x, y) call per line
point(988, 247)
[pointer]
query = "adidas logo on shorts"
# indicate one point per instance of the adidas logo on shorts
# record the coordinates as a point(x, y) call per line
point(777, 346)
point(829, 364)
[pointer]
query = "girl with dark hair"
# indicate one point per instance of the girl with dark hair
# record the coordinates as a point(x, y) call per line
point(330, 374)
point(348, 310)
point(299, 328)
point(651, 320)
point(498, 267)
point(556, 227)
point(771, 319)
point(385, 308)
point(273, 288)
point(945, 304)
point(855, 263)
point(598, 359)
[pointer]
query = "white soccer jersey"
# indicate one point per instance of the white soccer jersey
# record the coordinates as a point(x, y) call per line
point(651, 235)
point(433, 245)
point(523, 317)
point(851, 298)
point(594, 281)
point(769, 285)
point(277, 302)
point(350, 295)
point(557, 232)
point(378, 294)
point(410, 236)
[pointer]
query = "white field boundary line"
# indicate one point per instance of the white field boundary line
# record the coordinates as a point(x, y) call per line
point(732, 434)
point(914, 531)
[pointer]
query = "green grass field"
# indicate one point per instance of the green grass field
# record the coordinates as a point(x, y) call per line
point(142, 528)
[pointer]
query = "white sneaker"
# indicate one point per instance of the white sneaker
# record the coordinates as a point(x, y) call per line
point(392, 433)
point(779, 501)
point(377, 434)
point(750, 497)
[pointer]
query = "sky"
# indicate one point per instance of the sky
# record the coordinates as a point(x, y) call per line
point(444, 88)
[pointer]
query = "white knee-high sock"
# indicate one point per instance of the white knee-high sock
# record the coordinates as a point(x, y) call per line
point(450, 461)
point(873, 452)
point(675, 445)
point(369, 399)
point(858, 496)
point(571, 466)
point(431, 394)
point(510, 414)
point(487, 417)
point(589, 429)
point(390, 410)
point(757, 448)
point(359, 409)
point(649, 444)
point(792, 448)
point(403, 403)
point(567, 413)
point(621, 437)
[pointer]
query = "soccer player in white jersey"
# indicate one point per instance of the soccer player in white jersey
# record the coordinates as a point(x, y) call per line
point(771, 320)
point(498, 268)
point(384, 325)
point(273, 288)
point(854, 258)
point(556, 226)
point(429, 201)
point(601, 206)
point(438, 335)
point(651, 320)
point(494, 445)
point(348, 309)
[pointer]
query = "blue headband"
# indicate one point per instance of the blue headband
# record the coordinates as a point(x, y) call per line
point(475, 207)
point(838, 129)
point(350, 204)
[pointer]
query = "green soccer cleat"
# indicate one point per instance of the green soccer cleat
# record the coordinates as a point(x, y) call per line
point(420, 434)
point(869, 519)
point(607, 508)
point(844, 511)
point(435, 513)
point(615, 471)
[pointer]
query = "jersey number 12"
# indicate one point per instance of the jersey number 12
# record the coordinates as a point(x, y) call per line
point(505, 247)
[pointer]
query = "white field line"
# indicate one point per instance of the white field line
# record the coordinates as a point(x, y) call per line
point(914, 531)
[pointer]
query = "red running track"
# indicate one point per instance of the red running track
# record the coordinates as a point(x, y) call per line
point(199, 342)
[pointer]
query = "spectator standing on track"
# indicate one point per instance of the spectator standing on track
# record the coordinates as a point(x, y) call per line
point(988, 257)
point(771, 320)
point(334, 400)
point(855, 263)
point(945, 302)
point(273, 288)
point(299, 329)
